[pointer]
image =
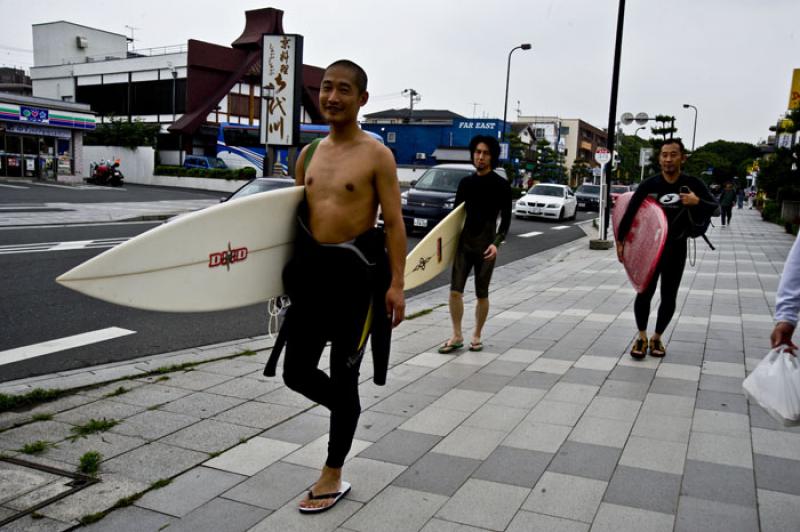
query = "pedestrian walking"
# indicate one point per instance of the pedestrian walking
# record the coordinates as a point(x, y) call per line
point(726, 200)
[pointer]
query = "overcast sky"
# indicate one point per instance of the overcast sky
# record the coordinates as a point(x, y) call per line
point(732, 59)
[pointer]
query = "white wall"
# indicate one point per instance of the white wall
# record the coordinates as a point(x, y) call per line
point(56, 43)
point(135, 165)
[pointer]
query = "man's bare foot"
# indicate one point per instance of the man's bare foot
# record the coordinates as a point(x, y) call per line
point(330, 481)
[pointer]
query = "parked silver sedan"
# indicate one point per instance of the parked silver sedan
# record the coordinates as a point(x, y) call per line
point(547, 201)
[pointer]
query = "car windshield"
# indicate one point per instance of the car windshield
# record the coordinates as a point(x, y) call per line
point(260, 185)
point(441, 179)
point(589, 189)
point(547, 190)
point(619, 189)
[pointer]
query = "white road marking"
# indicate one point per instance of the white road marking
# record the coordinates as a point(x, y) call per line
point(13, 186)
point(560, 227)
point(62, 344)
point(528, 235)
point(61, 246)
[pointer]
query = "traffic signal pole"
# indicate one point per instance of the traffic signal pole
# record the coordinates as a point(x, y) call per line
point(612, 114)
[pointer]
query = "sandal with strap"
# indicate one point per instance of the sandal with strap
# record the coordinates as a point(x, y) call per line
point(639, 349)
point(449, 347)
point(657, 348)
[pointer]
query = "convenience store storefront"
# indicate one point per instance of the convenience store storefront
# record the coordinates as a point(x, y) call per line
point(42, 138)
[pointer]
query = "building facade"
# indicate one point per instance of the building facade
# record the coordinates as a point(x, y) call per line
point(42, 138)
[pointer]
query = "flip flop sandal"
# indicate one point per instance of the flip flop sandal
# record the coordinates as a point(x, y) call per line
point(336, 496)
point(450, 347)
point(639, 349)
point(475, 346)
point(657, 349)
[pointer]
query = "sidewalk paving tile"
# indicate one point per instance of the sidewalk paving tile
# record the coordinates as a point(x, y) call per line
point(51, 431)
point(440, 525)
point(288, 519)
point(778, 511)
point(777, 474)
point(396, 509)
point(286, 397)
point(636, 391)
point(517, 397)
point(369, 477)
point(437, 473)
point(716, 482)
point(95, 498)
point(525, 356)
point(566, 496)
point(107, 444)
point(485, 382)
point(151, 395)
point(776, 443)
point(401, 447)
point(532, 436)
point(556, 413)
point(614, 408)
point(257, 415)
point(572, 393)
point(716, 422)
point(585, 460)
point(616, 518)
point(643, 488)
point(462, 400)
point(189, 491)
point(550, 365)
point(245, 387)
point(532, 522)
point(721, 401)
point(601, 431)
point(654, 454)
point(667, 405)
point(669, 370)
point(153, 424)
point(201, 404)
point(196, 380)
point(154, 461)
point(518, 467)
point(436, 421)
point(102, 409)
point(314, 453)
point(484, 504)
point(372, 426)
point(220, 514)
point(674, 387)
point(252, 456)
point(209, 436)
point(720, 449)
point(712, 516)
point(132, 519)
point(301, 429)
point(275, 486)
point(470, 442)
point(534, 379)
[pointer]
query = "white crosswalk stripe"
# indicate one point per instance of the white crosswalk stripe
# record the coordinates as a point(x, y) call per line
point(528, 235)
point(40, 247)
point(62, 344)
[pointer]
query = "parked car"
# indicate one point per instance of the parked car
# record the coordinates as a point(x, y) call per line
point(203, 161)
point(433, 195)
point(588, 197)
point(260, 184)
point(618, 190)
point(547, 201)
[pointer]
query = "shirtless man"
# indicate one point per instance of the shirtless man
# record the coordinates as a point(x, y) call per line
point(331, 277)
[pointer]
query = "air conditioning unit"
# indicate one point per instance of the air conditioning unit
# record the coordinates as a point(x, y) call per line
point(421, 156)
point(82, 42)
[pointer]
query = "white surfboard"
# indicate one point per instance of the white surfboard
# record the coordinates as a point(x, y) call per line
point(226, 256)
point(434, 253)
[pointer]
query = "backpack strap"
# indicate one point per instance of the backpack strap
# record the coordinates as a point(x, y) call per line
point(310, 153)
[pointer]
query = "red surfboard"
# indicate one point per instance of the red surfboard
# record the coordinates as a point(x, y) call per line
point(644, 242)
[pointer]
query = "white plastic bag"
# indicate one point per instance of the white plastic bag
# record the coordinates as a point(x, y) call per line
point(775, 386)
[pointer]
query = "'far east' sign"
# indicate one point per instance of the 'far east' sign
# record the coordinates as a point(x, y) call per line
point(281, 86)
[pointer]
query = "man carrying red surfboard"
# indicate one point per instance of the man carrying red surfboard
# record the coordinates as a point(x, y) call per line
point(340, 281)
point(679, 194)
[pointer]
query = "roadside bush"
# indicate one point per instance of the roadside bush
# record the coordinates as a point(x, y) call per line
point(771, 212)
point(517, 192)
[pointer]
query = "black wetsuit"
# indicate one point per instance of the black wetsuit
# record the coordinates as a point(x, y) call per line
point(673, 258)
point(337, 294)
point(485, 197)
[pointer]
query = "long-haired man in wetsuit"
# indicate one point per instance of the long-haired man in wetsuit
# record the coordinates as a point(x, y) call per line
point(348, 176)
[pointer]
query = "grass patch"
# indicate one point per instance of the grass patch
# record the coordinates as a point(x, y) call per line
point(37, 447)
point(119, 391)
point(160, 483)
point(247, 353)
point(90, 463)
point(423, 312)
point(162, 378)
point(42, 416)
point(186, 366)
point(33, 397)
point(93, 426)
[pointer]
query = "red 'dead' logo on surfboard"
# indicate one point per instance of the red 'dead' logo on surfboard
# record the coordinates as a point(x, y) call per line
point(227, 257)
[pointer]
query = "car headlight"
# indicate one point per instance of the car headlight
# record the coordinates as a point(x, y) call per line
point(521, 204)
point(404, 198)
point(552, 205)
point(449, 204)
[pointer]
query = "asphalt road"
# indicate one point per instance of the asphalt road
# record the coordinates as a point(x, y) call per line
point(36, 310)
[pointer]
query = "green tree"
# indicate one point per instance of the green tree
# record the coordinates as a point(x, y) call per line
point(665, 127)
point(581, 171)
point(547, 165)
point(120, 132)
point(721, 161)
point(628, 169)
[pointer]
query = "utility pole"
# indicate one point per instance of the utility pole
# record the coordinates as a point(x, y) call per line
point(474, 106)
point(413, 96)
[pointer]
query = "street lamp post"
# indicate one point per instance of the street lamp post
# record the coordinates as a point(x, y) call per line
point(694, 131)
point(525, 46)
point(636, 133)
